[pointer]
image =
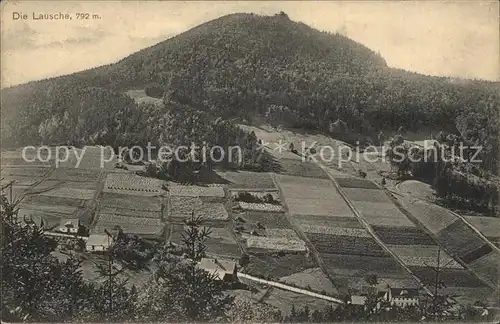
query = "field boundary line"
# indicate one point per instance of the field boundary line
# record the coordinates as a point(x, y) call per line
point(457, 258)
point(291, 288)
point(303, 236)
point(460, 217)
point(372, 232)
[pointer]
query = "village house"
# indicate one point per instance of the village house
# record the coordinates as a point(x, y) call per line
point(402, 297)
point(69, 225)
point(220, 269)
point(98, 243)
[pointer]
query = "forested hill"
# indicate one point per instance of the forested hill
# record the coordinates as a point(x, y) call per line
point(247, 65)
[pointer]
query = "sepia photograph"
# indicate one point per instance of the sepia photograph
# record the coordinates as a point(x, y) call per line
point(249, 161)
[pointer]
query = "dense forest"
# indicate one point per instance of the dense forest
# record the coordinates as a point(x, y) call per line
point(248, 66)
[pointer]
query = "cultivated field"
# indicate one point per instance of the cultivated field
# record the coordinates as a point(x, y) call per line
point(180, 208)
point(195, 191)
point(460, 239)
point(352, 182)
point(358, 266)
point(132, 183)
point(211, 211)
point(312, 222)
point(131, 202)
point(342, 244)
point(243, 180)
point(308, 196)
point(423, 255)
point(265, 244)
point(381, 213)
point(262, 207)
point(450, 277)
point(403, 235)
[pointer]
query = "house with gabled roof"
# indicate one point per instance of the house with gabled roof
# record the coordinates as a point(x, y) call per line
point(221, 269)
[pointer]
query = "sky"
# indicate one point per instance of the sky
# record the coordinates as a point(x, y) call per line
point(444, 38)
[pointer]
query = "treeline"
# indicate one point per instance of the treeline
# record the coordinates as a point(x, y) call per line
point(66, 115)
point(458, 181)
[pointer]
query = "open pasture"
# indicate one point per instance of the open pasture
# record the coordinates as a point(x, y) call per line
point(367, 195)
point(382, 214)
point(352, 182)
point(403, 235)
point(307, 196)
point(433, 217)
point(180, 208)
point(52, 201)
point(119, 201)
point(130, 212)
point(129, 224)
point(313, 279)
point(487, 268)
point(299, 168)
point(450, 277)
point(247, 180)
point(488, 226)
point(71, 174)
point(359, 266)
point(221, 241)
point(50, 219)
point(312, 222)
point(423, 255)
point(277, 266)
point(195, 191)
point(341, 244)
point(19, 180)
point(140, 96)
point(266, 219)
point(460, 239)
point(27, 171)
point(84, 194)
point(284, 299)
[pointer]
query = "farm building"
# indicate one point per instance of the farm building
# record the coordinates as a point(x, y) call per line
point(98, 243)
point(402, 297)
point(221, 269)
point(69, 225)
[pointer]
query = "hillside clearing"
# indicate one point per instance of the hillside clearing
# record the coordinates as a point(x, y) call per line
point(243, 180)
